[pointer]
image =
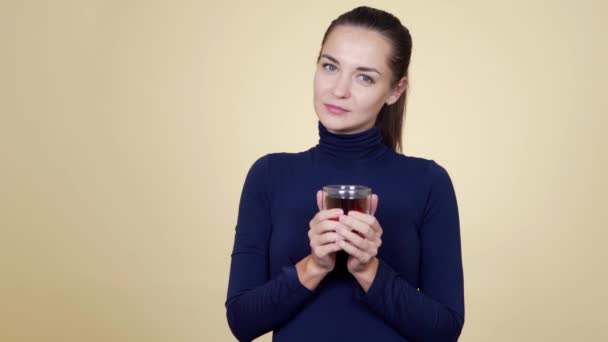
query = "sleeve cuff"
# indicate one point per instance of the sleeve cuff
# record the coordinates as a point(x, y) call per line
point(291, 274)
point(383, 274)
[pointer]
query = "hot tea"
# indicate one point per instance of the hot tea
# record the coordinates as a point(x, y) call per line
point(347, 197)
point(347, 204)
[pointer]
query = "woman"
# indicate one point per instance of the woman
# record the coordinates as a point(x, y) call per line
point(403, 279)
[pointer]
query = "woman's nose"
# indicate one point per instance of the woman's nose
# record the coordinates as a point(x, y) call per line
point(342, 86)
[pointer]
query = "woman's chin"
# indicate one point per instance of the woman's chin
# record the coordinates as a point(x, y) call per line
point(339, 124)
point(338, 128)
point(333, 124)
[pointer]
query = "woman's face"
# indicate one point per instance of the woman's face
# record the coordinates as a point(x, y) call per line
point(353, 75)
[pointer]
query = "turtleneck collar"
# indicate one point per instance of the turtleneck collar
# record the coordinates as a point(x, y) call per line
point(358, 146)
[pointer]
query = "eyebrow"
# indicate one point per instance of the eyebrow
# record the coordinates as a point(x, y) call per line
point(359, 68)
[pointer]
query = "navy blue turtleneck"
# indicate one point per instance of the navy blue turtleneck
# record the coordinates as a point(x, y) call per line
point(417, 294)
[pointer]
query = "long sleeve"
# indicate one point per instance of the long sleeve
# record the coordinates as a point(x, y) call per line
point(436, 311)
point(255, 303)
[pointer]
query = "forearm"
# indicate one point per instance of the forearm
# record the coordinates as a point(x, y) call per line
point(260, 310)
point(414, 314)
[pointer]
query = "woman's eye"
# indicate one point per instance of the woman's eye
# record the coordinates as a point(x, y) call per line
point(366, 79)
point(329, 67)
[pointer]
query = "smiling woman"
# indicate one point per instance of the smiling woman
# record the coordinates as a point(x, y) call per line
point(312, 273)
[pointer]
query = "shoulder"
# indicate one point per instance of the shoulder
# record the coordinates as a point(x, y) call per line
point(436, 171)
point(428, 170)
point(269, 163)
point(438, 180)
point(418, 165)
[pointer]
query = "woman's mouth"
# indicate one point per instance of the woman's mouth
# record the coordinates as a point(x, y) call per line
point(335, 109)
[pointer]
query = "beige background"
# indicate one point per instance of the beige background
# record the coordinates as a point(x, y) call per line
point(127, 128)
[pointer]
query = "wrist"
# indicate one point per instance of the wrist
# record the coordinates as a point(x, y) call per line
point(309, 273)
point(366, 277)
point(315, 269)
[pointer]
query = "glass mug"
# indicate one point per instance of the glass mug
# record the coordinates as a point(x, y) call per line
point(347, 197)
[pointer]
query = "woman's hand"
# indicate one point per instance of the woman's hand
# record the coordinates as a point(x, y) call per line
point(360, 235)
point(322, 235)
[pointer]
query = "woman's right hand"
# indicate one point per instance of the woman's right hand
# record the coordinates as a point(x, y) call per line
point(322, 235)
point(323, 247)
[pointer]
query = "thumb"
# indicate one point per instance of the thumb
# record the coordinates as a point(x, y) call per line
point(374, 203)
point(320, 199)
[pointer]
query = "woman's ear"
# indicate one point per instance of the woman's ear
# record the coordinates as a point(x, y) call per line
point(398, 90)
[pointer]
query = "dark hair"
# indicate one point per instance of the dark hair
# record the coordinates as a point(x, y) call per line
point(390, 117)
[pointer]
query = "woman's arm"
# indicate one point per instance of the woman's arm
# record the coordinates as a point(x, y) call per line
point(255, 303)
point(436, 311)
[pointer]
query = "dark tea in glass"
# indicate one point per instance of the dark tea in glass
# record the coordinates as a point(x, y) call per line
point(347, 197)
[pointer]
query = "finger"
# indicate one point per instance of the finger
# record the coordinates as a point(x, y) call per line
point(320, 199)
point(324, 239)
point(374, 204)
point(326, 215)
point(355, 239)
point(358, 225)
point(323, 251)
point(367, 219)
point(325, 227)
point(352, 250)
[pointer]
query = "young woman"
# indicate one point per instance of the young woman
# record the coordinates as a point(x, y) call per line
point(402, 278)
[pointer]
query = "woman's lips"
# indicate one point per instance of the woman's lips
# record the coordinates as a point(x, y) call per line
point(335, 109)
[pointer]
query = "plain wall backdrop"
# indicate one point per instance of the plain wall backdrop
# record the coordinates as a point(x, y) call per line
point(127, 129)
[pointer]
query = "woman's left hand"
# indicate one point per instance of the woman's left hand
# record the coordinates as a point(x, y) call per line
point(361, 239)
